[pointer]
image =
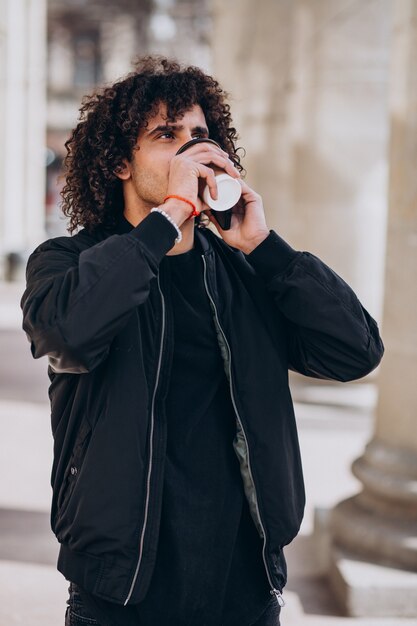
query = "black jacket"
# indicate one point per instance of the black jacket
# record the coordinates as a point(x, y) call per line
point(99, 306)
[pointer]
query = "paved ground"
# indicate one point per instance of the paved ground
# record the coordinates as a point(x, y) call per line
point(33, 593)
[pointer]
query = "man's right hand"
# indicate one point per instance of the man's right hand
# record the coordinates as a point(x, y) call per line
point(186, 170)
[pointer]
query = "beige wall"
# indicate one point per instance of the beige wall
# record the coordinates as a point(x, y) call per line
point(309, 85)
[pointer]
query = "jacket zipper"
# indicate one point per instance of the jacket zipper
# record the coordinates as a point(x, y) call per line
point(273, 591)
point(148, 481)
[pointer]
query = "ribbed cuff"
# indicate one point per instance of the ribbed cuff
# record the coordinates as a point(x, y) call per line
point(156, 234)
point(271, 256)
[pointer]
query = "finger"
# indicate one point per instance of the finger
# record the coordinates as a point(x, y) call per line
point(206, 147)
point(248, 194)
point(222, 162)
point(208, 175)
point(207, 153)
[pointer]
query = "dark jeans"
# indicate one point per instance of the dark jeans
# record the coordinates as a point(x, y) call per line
point(271, 616)
point(77, 613)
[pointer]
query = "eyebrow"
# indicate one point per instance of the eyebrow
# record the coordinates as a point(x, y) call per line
point(170, 127)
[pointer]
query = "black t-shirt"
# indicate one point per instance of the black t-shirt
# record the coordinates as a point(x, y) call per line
point(209, 569)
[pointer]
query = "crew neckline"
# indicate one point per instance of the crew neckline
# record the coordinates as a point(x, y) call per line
point(182, 256)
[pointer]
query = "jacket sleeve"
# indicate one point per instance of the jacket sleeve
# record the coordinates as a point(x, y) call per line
point(75, 303)
point(330, 334)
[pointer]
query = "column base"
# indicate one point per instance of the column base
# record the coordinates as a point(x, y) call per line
point(356, 525)
point(362, 588)
point(370, 590)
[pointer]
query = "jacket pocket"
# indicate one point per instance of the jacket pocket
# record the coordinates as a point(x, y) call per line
point(73, 469)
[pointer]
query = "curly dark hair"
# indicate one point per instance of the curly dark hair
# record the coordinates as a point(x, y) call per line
point(108, 128)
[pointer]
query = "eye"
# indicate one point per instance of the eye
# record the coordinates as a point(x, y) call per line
point(167, 134)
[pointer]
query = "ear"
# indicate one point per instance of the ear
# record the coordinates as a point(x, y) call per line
point(123, 171)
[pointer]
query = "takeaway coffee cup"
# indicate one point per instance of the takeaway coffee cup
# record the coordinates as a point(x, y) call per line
point(228, 189)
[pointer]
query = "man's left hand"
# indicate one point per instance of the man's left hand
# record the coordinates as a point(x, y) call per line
point(248, 226)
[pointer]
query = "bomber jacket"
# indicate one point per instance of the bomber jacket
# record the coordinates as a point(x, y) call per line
point(98, 305)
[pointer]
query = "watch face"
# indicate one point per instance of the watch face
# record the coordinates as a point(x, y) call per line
point(197, 140)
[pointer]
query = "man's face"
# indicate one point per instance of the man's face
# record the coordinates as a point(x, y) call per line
point(156, 145)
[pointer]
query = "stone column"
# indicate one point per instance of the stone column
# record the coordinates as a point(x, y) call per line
point(308, 82)
point(252, 55)
point(22, 125)
point(379, 525)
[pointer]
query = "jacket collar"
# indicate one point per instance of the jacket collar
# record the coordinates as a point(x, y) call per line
point(203, 238)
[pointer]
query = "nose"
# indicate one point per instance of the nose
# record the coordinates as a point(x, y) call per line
point(188, 136)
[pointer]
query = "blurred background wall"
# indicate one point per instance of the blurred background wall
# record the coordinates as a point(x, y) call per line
point(52, 53)
point(92, 43)
point(309, 83)
point(309, 91)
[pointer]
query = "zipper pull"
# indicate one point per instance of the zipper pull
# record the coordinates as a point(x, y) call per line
point(278, 595)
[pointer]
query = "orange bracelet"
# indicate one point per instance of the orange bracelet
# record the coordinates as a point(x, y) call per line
point(194, 212)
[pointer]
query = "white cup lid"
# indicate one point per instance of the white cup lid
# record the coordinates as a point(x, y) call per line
point(229, 192)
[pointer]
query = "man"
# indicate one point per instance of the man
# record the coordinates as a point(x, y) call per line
point(177, 478)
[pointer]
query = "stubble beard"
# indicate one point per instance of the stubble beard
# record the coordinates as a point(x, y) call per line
point(150, 190)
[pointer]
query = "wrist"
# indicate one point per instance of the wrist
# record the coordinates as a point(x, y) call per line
point(250, 245)
point(177, 210)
